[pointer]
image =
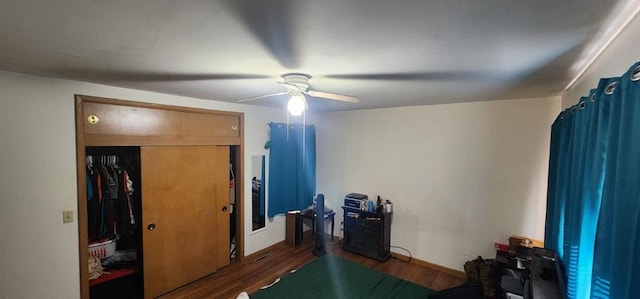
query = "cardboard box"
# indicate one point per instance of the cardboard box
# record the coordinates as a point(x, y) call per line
point(521, 246)
point(516, 240)
point(293, 228)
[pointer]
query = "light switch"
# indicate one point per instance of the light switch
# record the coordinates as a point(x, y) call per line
point(67, 216)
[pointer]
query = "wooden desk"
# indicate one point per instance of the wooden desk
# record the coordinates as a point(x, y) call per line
point(311, 214)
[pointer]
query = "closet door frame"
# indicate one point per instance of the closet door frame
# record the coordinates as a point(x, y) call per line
point(188, 135)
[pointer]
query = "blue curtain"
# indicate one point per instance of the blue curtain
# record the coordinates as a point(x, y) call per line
point(292, 167)
point(593, 200)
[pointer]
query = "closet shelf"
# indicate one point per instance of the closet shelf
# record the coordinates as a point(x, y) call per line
point(113, 274)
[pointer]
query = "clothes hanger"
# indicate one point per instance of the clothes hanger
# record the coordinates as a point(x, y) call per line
point(89, 161)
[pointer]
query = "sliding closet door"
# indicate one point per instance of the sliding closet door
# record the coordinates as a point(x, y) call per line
point(185, 195)
point(223, 219)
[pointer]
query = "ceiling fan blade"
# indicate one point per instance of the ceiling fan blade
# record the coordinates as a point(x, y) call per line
point(198, 77)
point(271, 22)
point(131, 76)
point(332, 96)
point(263, 96)
point(418, 76)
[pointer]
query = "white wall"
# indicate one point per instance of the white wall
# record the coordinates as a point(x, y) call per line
point(613, 62)
point(39, 254)
point(460, 176)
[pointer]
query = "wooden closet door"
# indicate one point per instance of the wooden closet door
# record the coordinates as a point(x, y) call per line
point(185, 228)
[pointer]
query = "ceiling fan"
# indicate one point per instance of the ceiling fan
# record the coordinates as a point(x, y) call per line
point(297, 85)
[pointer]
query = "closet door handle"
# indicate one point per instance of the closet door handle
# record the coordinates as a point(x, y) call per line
point(151, 226)
point(224, 209)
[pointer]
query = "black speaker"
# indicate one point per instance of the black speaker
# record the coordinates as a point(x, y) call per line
point(318, 248)
point(298, 234)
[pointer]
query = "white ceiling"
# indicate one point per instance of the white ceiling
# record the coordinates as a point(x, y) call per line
point(387, 53)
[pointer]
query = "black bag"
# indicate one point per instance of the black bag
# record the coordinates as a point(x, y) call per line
point(466, 291)
point(487, 273)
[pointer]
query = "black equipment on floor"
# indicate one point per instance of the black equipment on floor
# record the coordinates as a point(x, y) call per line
point(318, 248)
point(367, 233)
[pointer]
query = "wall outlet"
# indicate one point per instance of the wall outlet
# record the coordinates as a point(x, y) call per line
point(67, 216)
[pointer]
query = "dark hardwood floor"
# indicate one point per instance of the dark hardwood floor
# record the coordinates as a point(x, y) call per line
point(264, 267)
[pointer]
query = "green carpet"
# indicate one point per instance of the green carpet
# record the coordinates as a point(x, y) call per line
point(334, 277)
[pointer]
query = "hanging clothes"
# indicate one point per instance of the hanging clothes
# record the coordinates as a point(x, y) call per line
point(232, 203)
point(232, 185)
point(110, 206)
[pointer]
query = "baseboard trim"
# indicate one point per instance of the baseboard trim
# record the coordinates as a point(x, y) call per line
point(267, 250)
point(307, 234)
point(413, 260)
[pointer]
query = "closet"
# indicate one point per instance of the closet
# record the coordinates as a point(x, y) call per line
point(113, 221)
point(165, 197)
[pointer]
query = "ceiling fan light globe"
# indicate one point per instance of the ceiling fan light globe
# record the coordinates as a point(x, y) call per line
point(296, 105)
